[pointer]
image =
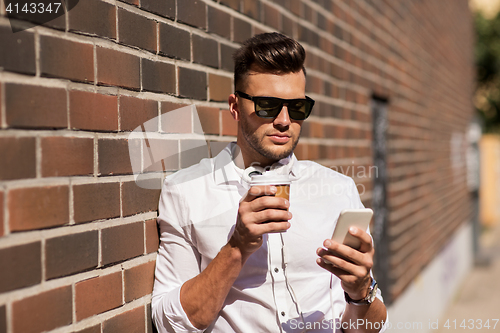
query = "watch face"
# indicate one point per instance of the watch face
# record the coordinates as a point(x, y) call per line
point(373, 293)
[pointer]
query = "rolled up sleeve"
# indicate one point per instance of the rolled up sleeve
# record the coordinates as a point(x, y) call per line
point(177, 261)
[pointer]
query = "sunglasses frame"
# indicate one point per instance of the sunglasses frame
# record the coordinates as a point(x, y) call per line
point(283, 102)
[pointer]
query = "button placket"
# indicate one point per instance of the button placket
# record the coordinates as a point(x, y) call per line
point(280, 289)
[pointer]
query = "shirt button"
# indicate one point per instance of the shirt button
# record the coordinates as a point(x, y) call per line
point(283, 313)
point(276, 270)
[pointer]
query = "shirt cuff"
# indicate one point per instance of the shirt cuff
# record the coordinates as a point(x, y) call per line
point(171, 310)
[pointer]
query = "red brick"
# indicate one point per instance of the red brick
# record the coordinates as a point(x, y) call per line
point(192, 12)
point(229, 125)
point(306, 129)
point(132, 2)
point(272, 17)
point(136, 30)
point(139, 281)
point(114, 157)
point(131, 322)
point(192, 83)
point(163, 7)
point(66, 59)
point(43, 312)
point(301, 151)
point(226, 57)
point(219, 22)
point(205, 51)
point(18, 51)
point(71, 254)
point(174, 42)
point(220, 87)
point(122, 242)
point(18, 158)
point(98, 295)
point(158, 76)
point(134, 112)
point(149, 323)
point(33, 106)
point(96, 201)
point(312, 152)
point(308, 36)
point(242, 30)
point(38, 207)
point(288, 25)
point(160, 155)
point(21, 266)
point(3, 319)
point(180, 123)
point(90, 111)
point(296, 6)
point(216, 147)
point(316, 130)
point(1, 214)
point(252, 8)
point(138, 200)
point(209, 119)
point(192, 151)
point(234, 4)
point(54, 20)
point(152, 236)
point(257, 30)
point(94, 17)
point(63, 156)
point(116, 68)
point(307, 13)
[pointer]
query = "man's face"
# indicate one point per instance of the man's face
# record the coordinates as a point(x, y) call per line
point(267, 140)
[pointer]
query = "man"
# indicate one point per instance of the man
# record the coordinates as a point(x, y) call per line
point(235, 258)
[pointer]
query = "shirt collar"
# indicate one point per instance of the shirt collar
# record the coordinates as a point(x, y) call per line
point(226, 170)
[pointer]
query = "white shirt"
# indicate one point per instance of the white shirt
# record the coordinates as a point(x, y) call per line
point(280, 288)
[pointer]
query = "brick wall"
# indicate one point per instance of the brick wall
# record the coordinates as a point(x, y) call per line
point(78, 236)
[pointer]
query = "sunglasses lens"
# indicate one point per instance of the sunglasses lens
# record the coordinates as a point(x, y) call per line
point(298, 109)
point(268, 107)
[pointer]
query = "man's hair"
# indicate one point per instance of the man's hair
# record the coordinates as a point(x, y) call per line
point(270, 53)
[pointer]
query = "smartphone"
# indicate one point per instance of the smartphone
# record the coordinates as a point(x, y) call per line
point(351, 217)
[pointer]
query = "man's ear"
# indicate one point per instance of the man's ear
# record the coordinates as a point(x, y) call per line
point(234, 107)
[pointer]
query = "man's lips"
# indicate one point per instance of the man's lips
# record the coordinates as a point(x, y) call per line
point(279, 137)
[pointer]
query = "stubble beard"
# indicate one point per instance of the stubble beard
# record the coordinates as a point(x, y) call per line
point(256, 143)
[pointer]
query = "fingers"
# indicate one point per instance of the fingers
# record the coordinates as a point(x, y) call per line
point(261, 212)
point(258, 191)
point(274, 227)
point(265, 216)
point(262, 209)
point(344, 269)
point(340, 273)
point(336, 256)
point(268, 202)
point(347, 253)
point(365, 239)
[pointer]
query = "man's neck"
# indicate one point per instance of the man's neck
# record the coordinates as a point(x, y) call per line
point(243, 161)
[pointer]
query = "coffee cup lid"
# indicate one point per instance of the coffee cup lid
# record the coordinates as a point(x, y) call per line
point(270, 180)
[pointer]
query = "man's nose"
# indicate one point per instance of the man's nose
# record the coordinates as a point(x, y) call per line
point(283, 118)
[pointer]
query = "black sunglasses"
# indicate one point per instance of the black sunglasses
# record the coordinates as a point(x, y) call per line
point(270, 107)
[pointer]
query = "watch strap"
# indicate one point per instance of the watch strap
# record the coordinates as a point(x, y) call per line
point(370, 297)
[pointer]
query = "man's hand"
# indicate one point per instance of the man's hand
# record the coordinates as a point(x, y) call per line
point(351, 266)
point(260, 212)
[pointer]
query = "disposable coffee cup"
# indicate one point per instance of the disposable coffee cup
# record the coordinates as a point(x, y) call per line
point(281, 182)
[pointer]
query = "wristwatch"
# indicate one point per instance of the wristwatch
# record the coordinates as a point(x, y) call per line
point(370, 297)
